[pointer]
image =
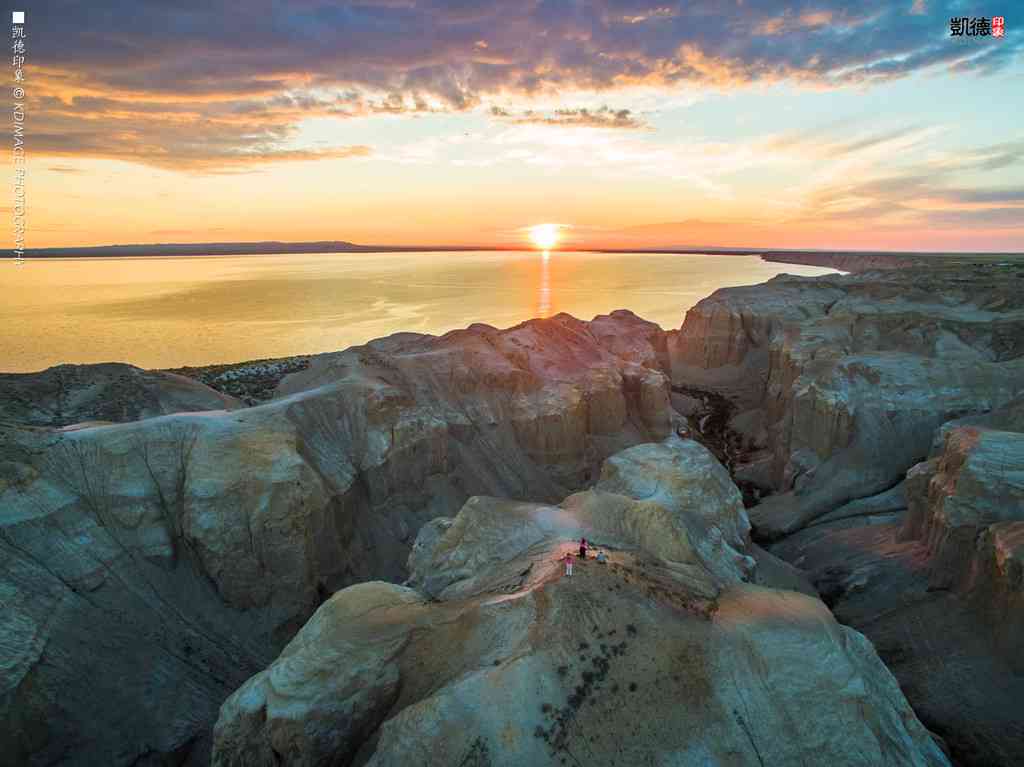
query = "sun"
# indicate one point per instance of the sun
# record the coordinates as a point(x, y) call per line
point(545, 236)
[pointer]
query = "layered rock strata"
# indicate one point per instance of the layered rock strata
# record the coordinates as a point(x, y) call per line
point(184, 549)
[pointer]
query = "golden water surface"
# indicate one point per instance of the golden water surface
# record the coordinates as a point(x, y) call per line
point(167, 312)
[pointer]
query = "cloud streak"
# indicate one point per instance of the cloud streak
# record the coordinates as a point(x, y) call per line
point(602, 117)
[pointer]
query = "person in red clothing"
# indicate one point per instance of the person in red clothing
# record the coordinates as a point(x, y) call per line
point(568, 558)
point(583, 548)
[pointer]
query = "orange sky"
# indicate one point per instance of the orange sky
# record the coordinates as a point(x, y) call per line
point(602, 129)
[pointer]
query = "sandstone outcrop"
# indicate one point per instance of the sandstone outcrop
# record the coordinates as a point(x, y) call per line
point(663, 655)
point(966, 508)
point(975, 482)
point(183, 551)
point(996, 586)
point(330, 687)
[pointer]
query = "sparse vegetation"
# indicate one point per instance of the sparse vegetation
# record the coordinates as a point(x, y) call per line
point(253, 382)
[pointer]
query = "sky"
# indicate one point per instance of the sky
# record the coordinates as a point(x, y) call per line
point(740, 123)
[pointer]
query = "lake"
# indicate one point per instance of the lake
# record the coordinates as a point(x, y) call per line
point(168, 312)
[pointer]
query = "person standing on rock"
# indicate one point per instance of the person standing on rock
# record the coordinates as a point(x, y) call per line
point(568, 563)
point(583, 548)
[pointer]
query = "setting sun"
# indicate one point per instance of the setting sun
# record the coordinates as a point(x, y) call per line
point(544, 236)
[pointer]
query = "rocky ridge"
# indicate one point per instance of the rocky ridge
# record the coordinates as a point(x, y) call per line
point(841, 381)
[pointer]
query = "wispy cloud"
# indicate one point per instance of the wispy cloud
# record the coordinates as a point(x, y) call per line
point(602, 117)
point(925, 193)
point(824, 143)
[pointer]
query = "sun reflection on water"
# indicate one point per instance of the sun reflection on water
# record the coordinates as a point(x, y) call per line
point(544, 302)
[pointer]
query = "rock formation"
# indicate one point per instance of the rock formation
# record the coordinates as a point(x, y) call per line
point(664, 654)
point(931, 572)
point(110, 392)
point(848, 377)
point(854, 398)
point(966, 507)
point(150, 567)
point(252, 382)
point(158, 557)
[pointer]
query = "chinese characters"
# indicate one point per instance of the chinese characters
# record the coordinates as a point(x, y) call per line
point(18, 48)
point(979, 26)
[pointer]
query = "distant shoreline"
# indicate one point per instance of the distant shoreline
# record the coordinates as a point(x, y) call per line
point(844, 260)
point(156, 250)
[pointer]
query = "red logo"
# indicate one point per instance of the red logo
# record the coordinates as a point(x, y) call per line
point(998, 26)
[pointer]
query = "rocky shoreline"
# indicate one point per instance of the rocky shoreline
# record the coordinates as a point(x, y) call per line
point(868, 261)
point(188, 527)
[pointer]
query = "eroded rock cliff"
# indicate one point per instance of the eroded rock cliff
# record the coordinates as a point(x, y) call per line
point(855, 398)
point(662, 654)
point(931, 572)
point(842, 380)
point(151, 566)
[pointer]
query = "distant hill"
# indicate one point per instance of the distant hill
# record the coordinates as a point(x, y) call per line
point(224, 249)
point(843, 260)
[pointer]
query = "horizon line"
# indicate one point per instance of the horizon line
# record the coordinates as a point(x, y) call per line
point(263, 247)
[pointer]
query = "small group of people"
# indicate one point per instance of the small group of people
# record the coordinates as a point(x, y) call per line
point(570, 559)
